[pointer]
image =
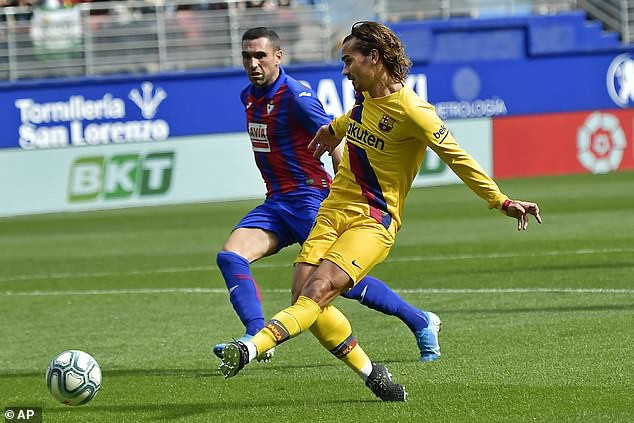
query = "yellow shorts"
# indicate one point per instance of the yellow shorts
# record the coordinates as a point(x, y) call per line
point(351, 240)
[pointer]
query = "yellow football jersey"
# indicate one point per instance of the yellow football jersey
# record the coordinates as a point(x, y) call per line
point(386, 141)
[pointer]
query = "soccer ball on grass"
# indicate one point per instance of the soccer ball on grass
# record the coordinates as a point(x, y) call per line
point(73, 377)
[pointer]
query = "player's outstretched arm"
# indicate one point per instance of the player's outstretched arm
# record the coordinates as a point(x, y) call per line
point(323, 141)
point(520, 210)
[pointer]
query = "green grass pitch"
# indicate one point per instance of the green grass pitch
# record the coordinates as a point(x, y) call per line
point(538, 326)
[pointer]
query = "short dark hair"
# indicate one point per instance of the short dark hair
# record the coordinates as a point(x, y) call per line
point(262, 32)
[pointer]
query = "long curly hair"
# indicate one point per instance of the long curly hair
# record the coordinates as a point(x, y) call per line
point(373, 35)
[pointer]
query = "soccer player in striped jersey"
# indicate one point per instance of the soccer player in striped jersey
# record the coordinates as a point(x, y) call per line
point(387, 132)
point(282, 117)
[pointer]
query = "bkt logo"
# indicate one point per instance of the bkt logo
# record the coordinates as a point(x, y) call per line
point(120, 177)
point(620, 80)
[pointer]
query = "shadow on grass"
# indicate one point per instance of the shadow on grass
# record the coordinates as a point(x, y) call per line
point(127, 372)
point(188, 373)
point(154, 412)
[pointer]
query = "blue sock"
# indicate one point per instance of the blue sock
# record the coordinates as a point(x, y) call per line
point(243, 291)
point(376, 295)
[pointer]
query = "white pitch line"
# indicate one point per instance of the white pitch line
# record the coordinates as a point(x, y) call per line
point(517, 291)
point(452, 257)
point(513, 255)
point(152, 291)
point(73, 275)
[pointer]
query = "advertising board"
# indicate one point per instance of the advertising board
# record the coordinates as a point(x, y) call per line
point(597, 141)
point(89, 112)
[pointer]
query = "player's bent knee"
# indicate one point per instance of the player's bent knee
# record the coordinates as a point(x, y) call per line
point(225, 258)
point(321, 290)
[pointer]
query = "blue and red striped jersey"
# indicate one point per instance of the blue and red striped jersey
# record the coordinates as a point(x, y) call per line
point(281, 120)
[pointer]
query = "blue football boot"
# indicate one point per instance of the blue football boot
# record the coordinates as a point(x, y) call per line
point(427, 339)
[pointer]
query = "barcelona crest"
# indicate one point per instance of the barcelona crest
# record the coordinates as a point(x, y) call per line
point(386, 123)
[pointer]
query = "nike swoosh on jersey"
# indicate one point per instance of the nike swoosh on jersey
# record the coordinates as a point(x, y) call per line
point(354, 263)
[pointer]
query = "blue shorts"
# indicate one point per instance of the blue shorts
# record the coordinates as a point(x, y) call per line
point(289, 216)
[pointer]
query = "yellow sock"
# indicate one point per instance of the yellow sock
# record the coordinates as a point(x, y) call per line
point(334, 332)
point(286, 324)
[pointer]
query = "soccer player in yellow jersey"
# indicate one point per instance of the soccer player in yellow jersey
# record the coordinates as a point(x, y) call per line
point(387, 133)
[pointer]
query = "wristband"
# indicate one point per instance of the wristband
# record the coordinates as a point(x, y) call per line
point(506, 204)
point(331, 130)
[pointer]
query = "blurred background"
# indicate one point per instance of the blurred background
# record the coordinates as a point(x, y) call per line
point(125, 103)
point(44, 38)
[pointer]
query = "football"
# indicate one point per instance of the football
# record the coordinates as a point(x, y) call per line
point(73, 377)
